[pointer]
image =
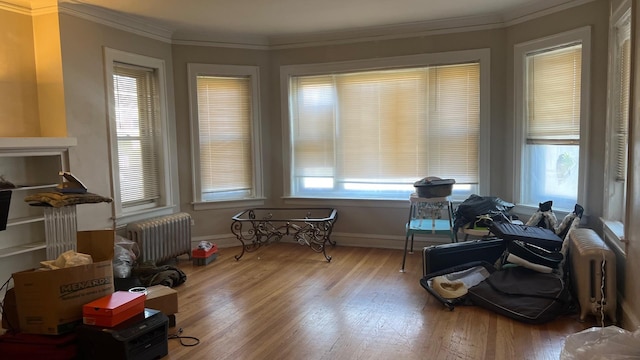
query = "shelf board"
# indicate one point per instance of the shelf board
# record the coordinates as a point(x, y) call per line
point(33, 187)
point(20, 249)
point(37, 143)
point(25, 220)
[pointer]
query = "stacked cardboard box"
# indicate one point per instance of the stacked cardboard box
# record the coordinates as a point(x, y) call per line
point(50, 301)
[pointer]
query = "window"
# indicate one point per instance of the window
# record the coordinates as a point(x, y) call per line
point(551, 105)
point(369, 131)
point(225, 123)
point(137, 122)
point(618, 120)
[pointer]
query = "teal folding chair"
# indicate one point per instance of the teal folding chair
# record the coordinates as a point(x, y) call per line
point(428, 216)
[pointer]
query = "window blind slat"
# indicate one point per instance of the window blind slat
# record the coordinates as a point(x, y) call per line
point(136, 99)
point(224, 114)
point(388, 126)
point(554, 112)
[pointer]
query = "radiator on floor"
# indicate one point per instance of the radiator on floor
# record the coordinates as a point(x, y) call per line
point(593, 275)
point(162, 238)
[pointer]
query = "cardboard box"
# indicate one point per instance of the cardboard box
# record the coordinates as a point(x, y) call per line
point(113, 309)
point(50, 301)
point(10, 311)
point(163, 298)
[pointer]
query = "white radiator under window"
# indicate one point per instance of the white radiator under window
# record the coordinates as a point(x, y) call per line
point(162, 238)
point(593, 273)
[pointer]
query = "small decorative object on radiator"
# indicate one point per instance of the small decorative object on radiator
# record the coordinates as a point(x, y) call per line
point(162, 238)
point(594, 274)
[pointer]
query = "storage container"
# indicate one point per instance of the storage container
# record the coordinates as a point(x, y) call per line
point(431, 187)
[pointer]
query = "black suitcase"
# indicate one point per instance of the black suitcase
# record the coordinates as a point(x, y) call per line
point(545, 238)
point(440, 257)
point(522, 294)
point(467, 275)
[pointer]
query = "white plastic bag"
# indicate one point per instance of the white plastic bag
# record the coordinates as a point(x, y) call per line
point(602, 343)
point(125, 254)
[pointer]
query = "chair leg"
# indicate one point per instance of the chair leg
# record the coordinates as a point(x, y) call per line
point(411, 249)
point(404, 256)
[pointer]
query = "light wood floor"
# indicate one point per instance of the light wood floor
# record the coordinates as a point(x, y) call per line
point(286, 302)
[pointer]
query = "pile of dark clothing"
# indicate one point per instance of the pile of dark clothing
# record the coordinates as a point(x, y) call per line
point(151, 274)
point(483, 208)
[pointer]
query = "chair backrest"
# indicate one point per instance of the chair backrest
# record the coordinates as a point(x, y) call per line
point(430, 208)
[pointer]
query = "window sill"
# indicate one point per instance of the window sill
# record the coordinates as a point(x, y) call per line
point(614, 234)
point(131, 217)
point(323, 202)
point(228, 204)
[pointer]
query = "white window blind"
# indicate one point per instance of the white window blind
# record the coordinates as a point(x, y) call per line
point(136, 114)
point(553, 96)
point(622, 89)
point(553, 92)
point(377, 131)
point(224, 123)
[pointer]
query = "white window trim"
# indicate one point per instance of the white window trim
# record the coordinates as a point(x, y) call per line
point(165, 203)
point(583, 35)
point(194, 70)
point(288, 71)
point(613, 229)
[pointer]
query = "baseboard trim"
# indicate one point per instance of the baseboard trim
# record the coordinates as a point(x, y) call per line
point(344, 239)
point(629, 320)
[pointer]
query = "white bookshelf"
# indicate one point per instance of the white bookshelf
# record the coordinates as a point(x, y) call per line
point(32, 164)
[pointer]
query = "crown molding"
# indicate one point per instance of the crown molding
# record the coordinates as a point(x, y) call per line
point(17, 6)
point(221, 40)
point(539, 9)
point(30, 7)
point(142, 27)
point(388, 32)
point(132, 24)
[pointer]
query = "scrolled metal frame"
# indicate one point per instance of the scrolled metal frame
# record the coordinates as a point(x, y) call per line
point(314, 232)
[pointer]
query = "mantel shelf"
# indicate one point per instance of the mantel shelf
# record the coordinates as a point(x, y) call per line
point(36, 143)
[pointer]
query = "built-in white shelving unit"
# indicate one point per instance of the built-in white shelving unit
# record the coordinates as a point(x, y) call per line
point(32, 164)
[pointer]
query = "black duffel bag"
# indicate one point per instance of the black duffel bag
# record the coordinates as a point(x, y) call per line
point(523, 294)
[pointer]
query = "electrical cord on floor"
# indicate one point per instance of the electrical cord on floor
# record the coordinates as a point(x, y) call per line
point(193, 341)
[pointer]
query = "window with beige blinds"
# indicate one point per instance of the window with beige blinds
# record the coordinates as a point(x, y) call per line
point(618, 118)
point(136, 115)
point(553, 95)
point(372, 134)
point(224, 123)
point(225, 128)
point(552, 118)
point(622, 86)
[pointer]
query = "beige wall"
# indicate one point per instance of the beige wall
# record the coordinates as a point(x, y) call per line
point(216, 222)
point(18, 83)
point(48, 57)
point(362, 223)
point(383, 218)
point(596, 15)
point(82, 45)
point(632, 226)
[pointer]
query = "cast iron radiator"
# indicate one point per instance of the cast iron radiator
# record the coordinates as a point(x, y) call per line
point(594, 274)
point(162, 238)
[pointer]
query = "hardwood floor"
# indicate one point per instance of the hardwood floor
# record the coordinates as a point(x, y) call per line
point(286, 302)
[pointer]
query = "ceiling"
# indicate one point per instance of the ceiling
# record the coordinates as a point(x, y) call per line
point(279, 19)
